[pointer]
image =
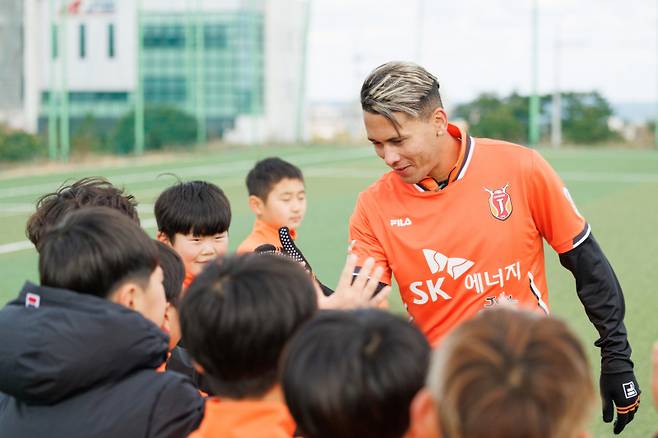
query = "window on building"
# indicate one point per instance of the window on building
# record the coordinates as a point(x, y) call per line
point(53, 41)
point(165, 89)
point(164, 36)
point(83, 41)
point(110, 40)
point(214, 36)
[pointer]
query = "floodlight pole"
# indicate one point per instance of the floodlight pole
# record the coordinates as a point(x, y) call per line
point(139, 84)
point(533, 137)
point(64, 119)
point(52, 95)
point(201, 134)
point(301, 97)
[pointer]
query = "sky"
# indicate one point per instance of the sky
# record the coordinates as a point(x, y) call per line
point(476, 46)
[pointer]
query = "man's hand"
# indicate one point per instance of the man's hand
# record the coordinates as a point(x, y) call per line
point(619, 390)
point(358, 293)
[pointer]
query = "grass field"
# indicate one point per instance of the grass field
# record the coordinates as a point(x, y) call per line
point(617, 191)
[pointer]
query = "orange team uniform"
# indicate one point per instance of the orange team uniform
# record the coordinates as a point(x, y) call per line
point(262, 233)
point(473, 244)
point(245, 419)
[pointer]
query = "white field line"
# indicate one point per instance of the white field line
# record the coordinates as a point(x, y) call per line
point(328, 172)
point(23, 245)
point(194, 171)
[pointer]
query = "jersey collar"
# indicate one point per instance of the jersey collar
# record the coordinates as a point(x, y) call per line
point(467, 145)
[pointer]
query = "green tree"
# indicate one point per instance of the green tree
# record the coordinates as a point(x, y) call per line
point(492, 117)
point(163, 126)
point(585, 118)
point(18, 145)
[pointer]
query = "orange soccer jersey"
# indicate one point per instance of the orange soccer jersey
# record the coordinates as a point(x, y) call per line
point(475, 243)
point(245, 419)
point(262, 233)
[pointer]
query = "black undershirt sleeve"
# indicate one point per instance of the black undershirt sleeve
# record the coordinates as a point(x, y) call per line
point(602, 297)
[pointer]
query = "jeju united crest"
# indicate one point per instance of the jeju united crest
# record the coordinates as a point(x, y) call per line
point(500, 203)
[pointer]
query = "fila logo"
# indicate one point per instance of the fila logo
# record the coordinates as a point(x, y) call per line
point(629, 389)
point(401, 222)
point(32, 300)
point(454, 266)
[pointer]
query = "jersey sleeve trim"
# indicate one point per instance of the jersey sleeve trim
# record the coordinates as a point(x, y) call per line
point(582, 236)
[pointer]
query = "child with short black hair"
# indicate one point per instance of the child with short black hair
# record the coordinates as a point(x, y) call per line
point(354, 374)
point(193, 218)
point(236, 318)
point(85, 192)
point(173, 274)
point(277, 197)
point(85, 343)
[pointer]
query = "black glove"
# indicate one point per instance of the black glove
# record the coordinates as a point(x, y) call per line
point(619, 390)
point(290, 250)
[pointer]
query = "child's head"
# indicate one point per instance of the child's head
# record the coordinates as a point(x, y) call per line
point(99, 251)
point(86, 192)
point(349, 374)
point(276, 193)
point(237, 316)
point(173, 273)
point(508, 373)
point(193, 217)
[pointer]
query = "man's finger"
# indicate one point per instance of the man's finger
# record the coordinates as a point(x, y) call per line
point(381, 296)
point(371, 286)
point(362, 277)
point(622, 419)
point(608, 409)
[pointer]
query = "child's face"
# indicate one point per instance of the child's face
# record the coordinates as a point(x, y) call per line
point(286, 204)
point(197, 251)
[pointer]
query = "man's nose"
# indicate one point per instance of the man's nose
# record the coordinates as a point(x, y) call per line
point(390, 156)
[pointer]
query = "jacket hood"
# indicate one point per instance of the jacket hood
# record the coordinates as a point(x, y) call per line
point(56, 343)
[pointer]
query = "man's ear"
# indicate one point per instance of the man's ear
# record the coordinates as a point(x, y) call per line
point(162, 237)
point(424, 416)
point(256, 205)
point(440, 120)
point(125, 295)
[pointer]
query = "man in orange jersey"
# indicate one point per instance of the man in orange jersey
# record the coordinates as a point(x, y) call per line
point(460, 223)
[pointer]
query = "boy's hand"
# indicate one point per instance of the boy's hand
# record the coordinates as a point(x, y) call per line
point(354, 291)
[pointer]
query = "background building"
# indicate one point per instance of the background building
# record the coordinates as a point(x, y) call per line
point(235, 66)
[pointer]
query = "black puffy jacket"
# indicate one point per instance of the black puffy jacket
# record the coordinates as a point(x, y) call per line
point(74, 365)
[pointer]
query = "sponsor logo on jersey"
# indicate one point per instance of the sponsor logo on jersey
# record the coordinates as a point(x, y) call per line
point(431, 290)
point(500, 202)
point(454, 266)
point(401, 222)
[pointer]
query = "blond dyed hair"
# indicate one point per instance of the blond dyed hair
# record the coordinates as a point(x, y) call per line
point(400, 87)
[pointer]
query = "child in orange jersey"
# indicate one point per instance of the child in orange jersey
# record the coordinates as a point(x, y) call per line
point(193, 218)
point(277, 197)
point(236, 318)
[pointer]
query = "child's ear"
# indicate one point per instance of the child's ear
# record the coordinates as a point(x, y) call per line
point(125, 295)
point(166, 325)
point(256, 205)
point(162, 237)
point(423, 416)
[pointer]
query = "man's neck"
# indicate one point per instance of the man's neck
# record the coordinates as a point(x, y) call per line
point(449, 149)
